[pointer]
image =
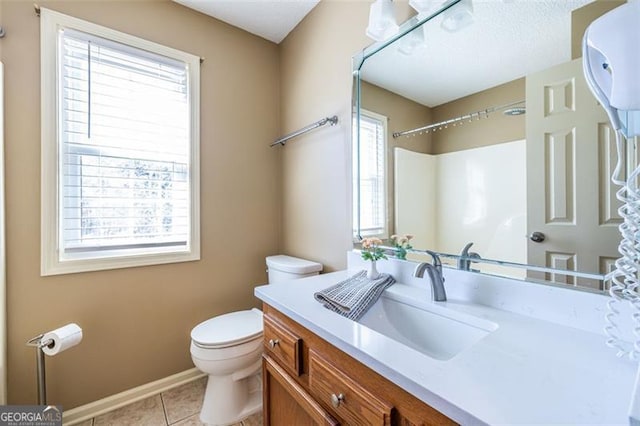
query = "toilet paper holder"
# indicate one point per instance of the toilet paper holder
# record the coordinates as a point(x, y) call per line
point(39, 344)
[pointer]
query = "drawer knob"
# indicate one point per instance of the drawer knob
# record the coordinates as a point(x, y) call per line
point(336, 399)
point(273, 343)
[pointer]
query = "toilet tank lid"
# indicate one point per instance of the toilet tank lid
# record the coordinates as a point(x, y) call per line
point(229, 329)
point(293, 264)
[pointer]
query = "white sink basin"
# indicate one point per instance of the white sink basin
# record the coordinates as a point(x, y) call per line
point(433, 330)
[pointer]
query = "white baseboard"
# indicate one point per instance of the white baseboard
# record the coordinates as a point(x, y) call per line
point(110, 403)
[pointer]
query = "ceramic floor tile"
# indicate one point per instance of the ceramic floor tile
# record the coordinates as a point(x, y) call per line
point(194, 421)
point(184, 401)
point(147, 412)
point(190, 421)
point(255, 420)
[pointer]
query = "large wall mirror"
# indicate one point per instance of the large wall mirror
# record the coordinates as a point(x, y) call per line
point(486, 133)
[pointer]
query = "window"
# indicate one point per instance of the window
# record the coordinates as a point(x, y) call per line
point(373, 181)
point(120, 140)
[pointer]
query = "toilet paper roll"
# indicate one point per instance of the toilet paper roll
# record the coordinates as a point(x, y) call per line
point(62, 338)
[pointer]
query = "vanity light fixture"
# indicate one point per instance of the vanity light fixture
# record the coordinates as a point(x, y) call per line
point(423, 6)
point(382, 22)
point(458, 17)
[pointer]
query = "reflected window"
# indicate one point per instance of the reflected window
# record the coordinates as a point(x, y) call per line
point(373, 176)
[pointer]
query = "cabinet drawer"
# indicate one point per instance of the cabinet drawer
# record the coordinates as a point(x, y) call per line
point(282, 344)
point(350, 401)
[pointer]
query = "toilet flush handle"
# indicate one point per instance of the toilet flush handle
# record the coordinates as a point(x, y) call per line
point(273, 343)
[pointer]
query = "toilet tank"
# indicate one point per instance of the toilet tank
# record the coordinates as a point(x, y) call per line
point(285, 268)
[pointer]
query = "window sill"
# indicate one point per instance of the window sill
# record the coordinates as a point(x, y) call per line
point(72, 266)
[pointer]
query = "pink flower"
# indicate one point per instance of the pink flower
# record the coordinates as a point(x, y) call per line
point(369, 243)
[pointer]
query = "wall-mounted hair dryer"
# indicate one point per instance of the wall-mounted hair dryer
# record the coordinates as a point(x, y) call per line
point(611, 62)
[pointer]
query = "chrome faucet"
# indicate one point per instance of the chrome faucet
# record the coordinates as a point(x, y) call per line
point(434, 270)
point(464, 261)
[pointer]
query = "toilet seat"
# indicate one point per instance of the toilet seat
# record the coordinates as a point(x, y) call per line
point(228, 330)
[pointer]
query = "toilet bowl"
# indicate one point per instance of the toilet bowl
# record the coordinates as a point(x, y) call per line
point(228, 348)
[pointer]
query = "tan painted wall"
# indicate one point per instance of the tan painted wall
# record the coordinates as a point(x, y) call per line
point(495, 129)
point(137, 321)
point(316, 82)
point(403, 114)
point(582, 17)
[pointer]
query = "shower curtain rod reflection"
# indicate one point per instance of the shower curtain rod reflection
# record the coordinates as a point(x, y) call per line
point(332, 120)
point(477, 115)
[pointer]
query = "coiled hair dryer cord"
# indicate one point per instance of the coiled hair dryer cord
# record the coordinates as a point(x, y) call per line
point(624, 279)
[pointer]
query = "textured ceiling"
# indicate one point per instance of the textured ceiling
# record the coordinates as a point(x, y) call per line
point(508, 40)
point(270, 19)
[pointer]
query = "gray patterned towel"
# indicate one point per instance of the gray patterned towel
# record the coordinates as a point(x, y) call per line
point(352, 297)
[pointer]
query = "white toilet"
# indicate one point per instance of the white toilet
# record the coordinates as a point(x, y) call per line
point(229, 349)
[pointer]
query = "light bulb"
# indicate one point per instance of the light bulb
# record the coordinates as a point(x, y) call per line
point(412, 41)
point(458, 16)
point(382, 22)
point(423, 6)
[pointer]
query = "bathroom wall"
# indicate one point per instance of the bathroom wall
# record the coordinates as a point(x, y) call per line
point(316, 82)
point(585, 15)
point(137, 321)
point(402, 113)
point(498, 128)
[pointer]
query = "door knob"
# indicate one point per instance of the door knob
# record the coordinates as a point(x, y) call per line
point(537, 237)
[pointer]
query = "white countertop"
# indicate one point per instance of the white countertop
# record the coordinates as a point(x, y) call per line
point(527, 371)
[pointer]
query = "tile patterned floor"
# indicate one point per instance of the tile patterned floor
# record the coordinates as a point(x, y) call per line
point(176, 407)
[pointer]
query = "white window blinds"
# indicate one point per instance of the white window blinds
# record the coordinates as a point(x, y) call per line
point(373, 214)
point(124, 147)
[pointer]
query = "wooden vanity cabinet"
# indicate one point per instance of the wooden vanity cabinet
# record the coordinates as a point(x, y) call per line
point(286, 402)
point(308, 381)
